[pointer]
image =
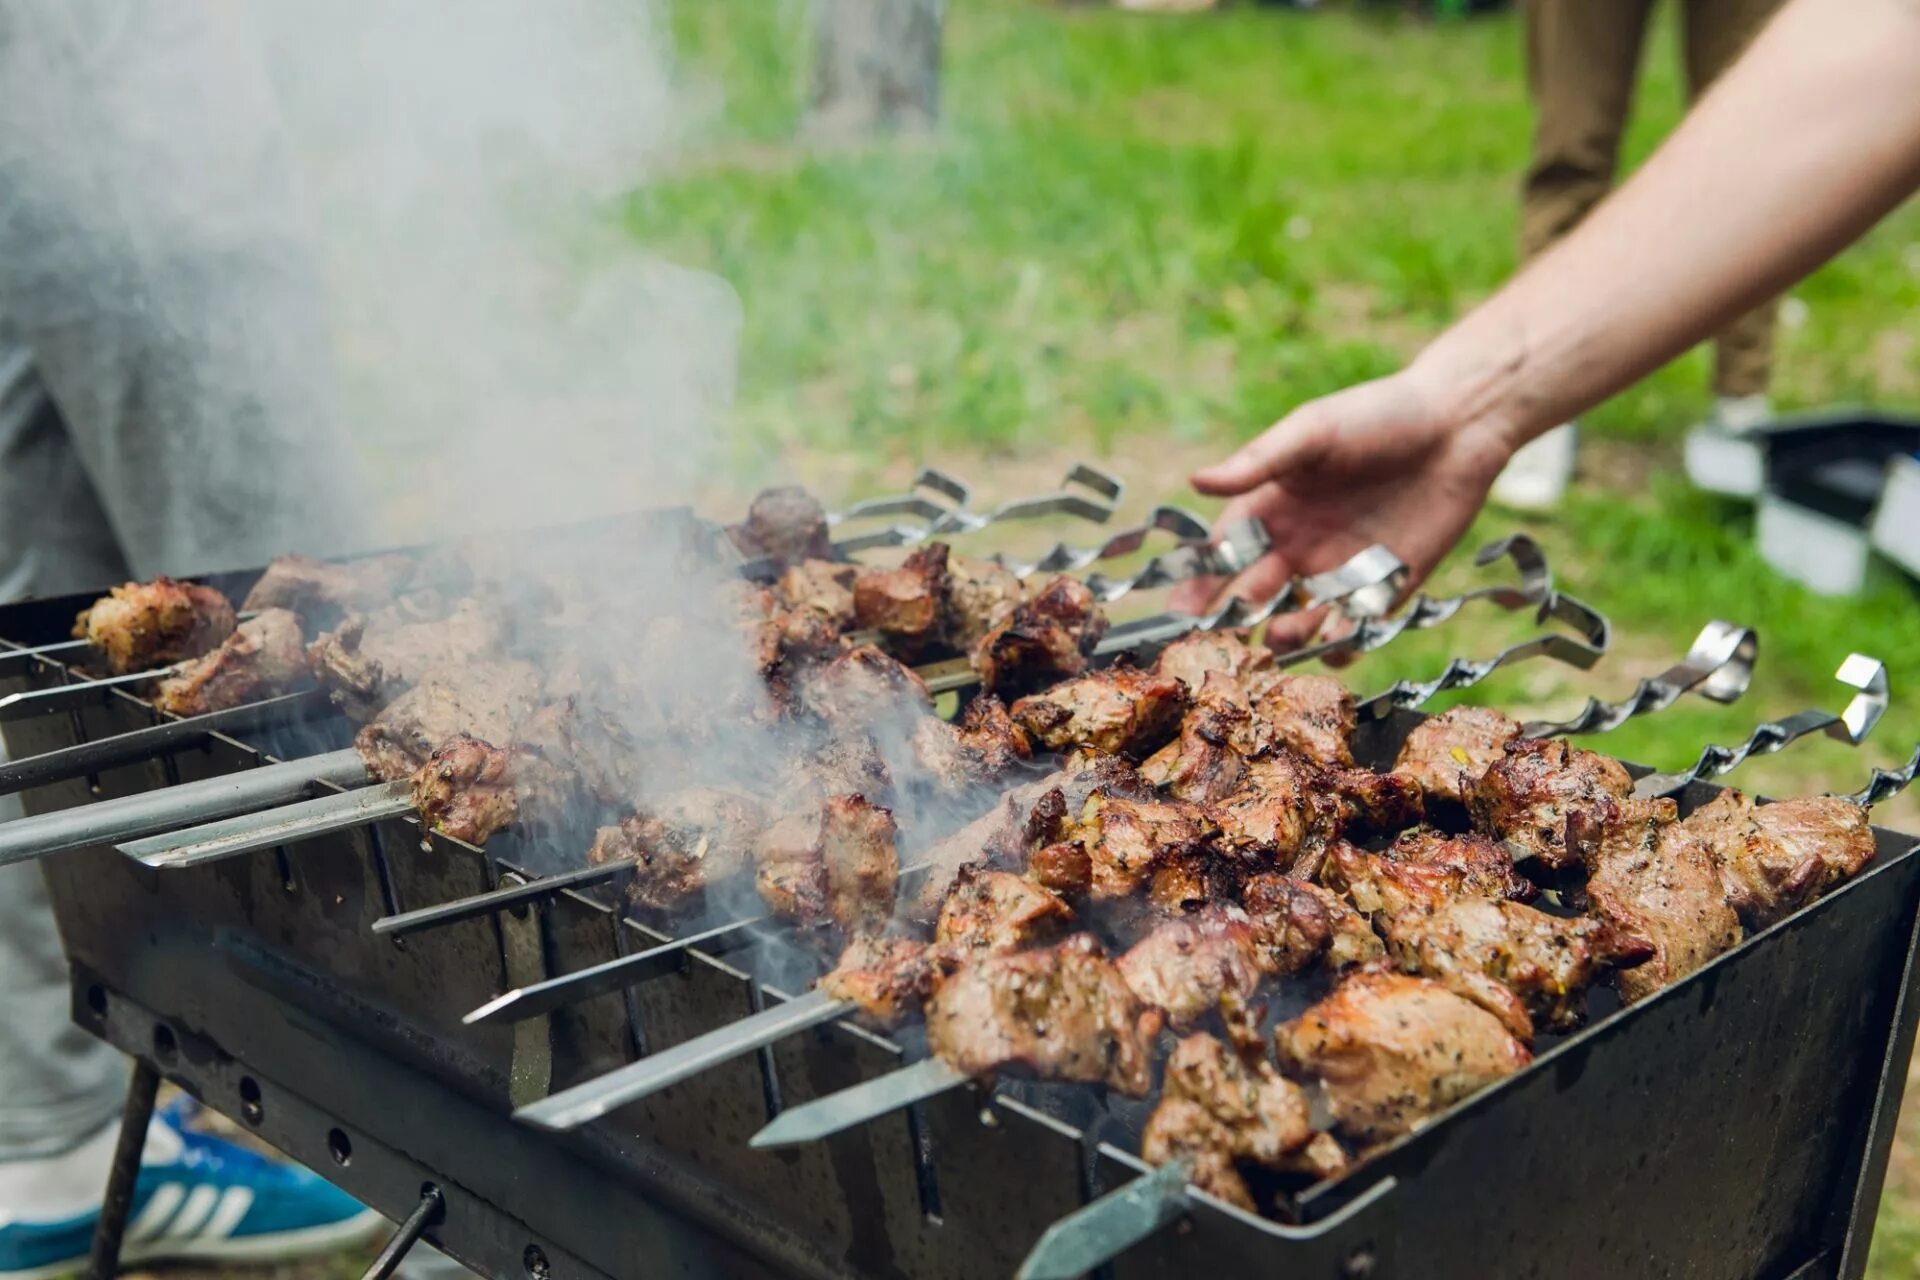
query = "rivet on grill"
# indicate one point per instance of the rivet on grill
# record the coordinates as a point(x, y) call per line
point(339, 1147)
point(164, 1045)
point(535, 1260)
point(251, 1108)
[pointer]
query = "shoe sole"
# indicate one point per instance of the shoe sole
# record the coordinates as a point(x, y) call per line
point(271, 1247)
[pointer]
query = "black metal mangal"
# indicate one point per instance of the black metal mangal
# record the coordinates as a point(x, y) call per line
point(1735, 1125)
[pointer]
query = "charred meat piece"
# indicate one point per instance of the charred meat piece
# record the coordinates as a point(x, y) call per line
point(368, 660)
point(998, 911)
point(464, 790)
point(1126, 840)
point(823, 586)
point(321, 592)
point(864, 686)
point(987, 729)
point(981, 594)
point(1369, 803)
point(1059, 1013)
point(833, 866)
point(845, 764)
point(1517, 963)
point(888, 978)
point(1123, 711)
point(984, 745)
point(1217, 1110)
point(1487, 868)
point(1292, 923)
point(777, 639)
point(489, 700)
point(1378, 886)
point(1447, 753)
point(1207, 762)
point(1548, 800)
point(1041, 641)
point(265, 656)
point(1198, 654)
point(683, 844)
point(1654, 879)
point(1313, 715)
point(1775, 858)
point(1187, 966)
point(907, 604)
point(1281, 810)
point(141, 625)
point(787, 524)
point(1393, 1051)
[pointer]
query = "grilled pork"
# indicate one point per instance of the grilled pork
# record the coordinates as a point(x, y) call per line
point(465, 790)
point(490, 700)
point(1199, 654)
point(823, 586)
point(322, 592)
point(833, 866)
point(998, 911)
point(142, 625)
point(786, 524)
point(684, 844)
point(1775, 858)
point(266, 655)
point(1548, 800)
point(1040, 641)
point(1122, 711)
point(907, 604)
point(1312, 715)
point(370, 659)
point(1219, 1111)
point(1652, 878)
point(1447, 753)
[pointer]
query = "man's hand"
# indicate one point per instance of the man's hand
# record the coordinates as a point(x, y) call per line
point(1387, 461)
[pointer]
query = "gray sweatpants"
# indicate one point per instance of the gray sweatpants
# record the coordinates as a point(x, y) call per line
point(165, 394)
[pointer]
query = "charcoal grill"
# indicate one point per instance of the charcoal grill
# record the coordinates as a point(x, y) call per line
point(1737, 1125)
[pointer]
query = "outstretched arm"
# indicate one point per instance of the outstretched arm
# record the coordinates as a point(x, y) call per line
point(1805, 143)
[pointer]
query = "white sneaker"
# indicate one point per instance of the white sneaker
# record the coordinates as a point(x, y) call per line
point(1536, 477)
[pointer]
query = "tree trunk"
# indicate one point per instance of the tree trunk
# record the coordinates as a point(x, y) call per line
point(876, 67)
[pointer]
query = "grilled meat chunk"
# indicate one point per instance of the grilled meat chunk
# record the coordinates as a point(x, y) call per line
point(835, 865)
point(907, 604)
point(1040, 641)
point(982, 746)
point(864, 686)
point(265, 656)
point(1207, 762)
point(1487, 868)
point(1187, 966)
point(141, 625)
point(1122, 711)
point(888, 978)
point(1059, 1013)
point(846, 763)
point(1775, 858)
point(1199, 654)
point(1351, 941)
point(1126, 840)
point(1281, 810)
point(981, 594)
point(1517, 963)
point(369, 660)
point(1379, 886)
point(1448, 752)
point(1369, 803)
point(1657, 880)
point(321, 592)
point(465, 789)
point(778, 639)
point(1293, 923)
point(683, 844)
point(786, 524)
point(1393, 1051)
point(823, 586)
point(1312, 715)
point(998, 911)
point(489, 700)
point(1217, 1110)
point(1548, 800)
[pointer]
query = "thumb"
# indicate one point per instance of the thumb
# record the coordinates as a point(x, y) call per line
point(1297, 442)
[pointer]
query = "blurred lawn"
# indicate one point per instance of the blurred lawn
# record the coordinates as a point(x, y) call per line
point(1142, 238)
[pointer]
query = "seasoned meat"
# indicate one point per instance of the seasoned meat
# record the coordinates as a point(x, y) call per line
point(785, 523)
point(1657, 880)
point(889, 978)
point(1393, 1051)
point(1350, 940)
point(998, 911)
point(1513, 961)
point(1292, 924)
point(1378, 886)
point(984, 745)
point(1542, 794)
point(489, 700)
point(835, 865)
point(1313, 715)
point(368, 660)
point(142, 625)
point(1369, 803)
point(321, 592)
point(847, 763)
point(1207, 762)
point(981, 594)
point(1448, 752)
point(1059, 1013)
point(1281, 810)
point(777, 639)
point(863, 686)
point(1127, 839)
point(1042, 640)
point(464, 789)
point(822, 586)
point(683, 844)
point(1198, 654)
point(1487, 868)
point(265, 656)
point(1184, 882)
point(1217, 1110)
point(1123, 711)
point(1775, 858)
point(905, 604)
point(1186, 966)
point(987, 729)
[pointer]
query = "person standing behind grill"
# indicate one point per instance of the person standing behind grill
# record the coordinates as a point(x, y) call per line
point(164, 407)
point(1803, 144)
point(1582, 59)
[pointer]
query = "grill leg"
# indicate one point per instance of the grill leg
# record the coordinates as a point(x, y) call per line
point(423, 1216)
point(105, 1260)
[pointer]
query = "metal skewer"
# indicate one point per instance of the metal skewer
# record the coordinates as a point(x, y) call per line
point(1887, 783)
point(1718, 666)
point(1093, 1235)
point(513, 895)
point(229, 837)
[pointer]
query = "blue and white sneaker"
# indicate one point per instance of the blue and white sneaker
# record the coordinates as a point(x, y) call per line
point(198, 1198)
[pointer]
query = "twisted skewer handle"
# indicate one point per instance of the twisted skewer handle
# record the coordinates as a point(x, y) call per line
point(1887, 783)
point(1086, 493)
point(1580, 651)
point(1719, 665)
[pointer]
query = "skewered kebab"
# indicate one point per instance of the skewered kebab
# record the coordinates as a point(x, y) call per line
point(141, 625)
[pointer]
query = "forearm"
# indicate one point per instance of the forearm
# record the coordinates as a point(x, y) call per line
point(1799, 148)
